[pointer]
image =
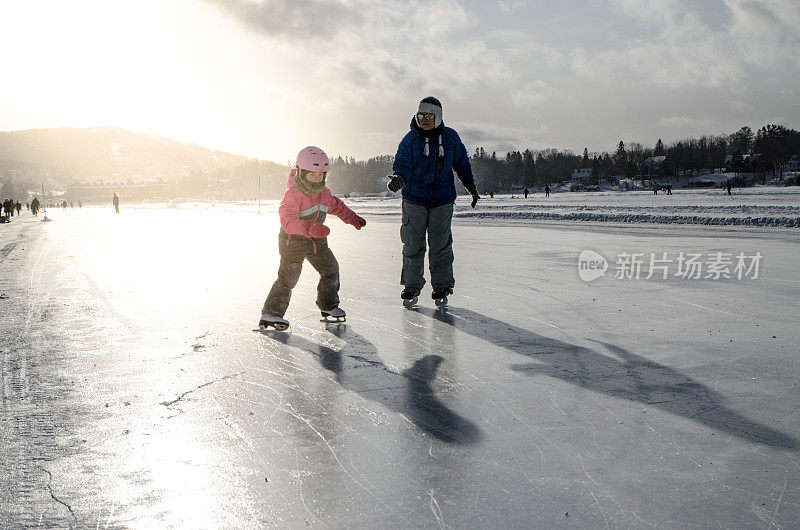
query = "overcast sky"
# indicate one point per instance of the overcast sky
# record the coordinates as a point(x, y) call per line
point(265, 78)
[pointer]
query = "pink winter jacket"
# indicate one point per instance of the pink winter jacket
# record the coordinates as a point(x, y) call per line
point(299, 211)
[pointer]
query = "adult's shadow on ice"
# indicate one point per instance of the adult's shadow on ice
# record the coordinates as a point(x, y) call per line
point(358, 368)
point(625, 376)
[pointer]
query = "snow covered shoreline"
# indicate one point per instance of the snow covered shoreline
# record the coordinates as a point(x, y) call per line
point(752, 207)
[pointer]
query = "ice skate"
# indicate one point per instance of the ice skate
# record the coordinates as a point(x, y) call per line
point(440, 297)
point(269, 322)
point(410, 297)
point(334, 316)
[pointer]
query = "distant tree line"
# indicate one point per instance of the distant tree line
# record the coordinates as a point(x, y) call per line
point(349, 175)
point(237, 183)
point(775, 145)
point(237, 178)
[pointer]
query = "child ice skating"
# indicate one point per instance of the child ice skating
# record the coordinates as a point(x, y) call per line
point(303, 236)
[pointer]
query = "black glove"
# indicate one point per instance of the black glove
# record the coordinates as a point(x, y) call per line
point(396, 182)
point(472, 191)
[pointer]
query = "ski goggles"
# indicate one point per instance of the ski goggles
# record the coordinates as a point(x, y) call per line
point(425, 115)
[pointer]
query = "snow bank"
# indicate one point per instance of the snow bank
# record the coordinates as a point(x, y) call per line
point(637, 218)
point(759, 206)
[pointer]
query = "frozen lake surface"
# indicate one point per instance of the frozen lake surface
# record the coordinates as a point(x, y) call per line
point(135, 393)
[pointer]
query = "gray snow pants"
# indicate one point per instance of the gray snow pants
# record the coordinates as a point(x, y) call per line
point(436, 222)
point(293, 253)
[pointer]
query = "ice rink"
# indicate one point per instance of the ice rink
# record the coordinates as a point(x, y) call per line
point(135, 393)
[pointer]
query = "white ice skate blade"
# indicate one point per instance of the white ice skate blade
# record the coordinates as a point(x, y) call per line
point(272, 328)
point(441, 303)
point(272, 323)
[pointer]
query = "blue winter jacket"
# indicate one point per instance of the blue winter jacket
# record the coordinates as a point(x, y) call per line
point(429, 179)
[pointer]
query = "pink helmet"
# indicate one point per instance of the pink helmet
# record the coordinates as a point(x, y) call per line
point(313, 159)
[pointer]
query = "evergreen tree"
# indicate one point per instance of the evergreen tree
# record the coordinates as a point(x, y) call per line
point(595, 169)
point(528, 168)
point(776, 144)
point(742, 140)
point(621, 159)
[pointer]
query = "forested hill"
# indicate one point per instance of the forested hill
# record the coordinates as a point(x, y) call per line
point(106, 153)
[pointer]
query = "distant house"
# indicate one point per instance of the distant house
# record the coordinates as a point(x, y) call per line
point(793, 165)
point(149, 189)
point(737, 163)
point(581, 176)
point(653, 167)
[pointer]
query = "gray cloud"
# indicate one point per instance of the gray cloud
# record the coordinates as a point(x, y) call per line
point(474, 138)
point(292, 18)
point(761, 11)
point(660, 68)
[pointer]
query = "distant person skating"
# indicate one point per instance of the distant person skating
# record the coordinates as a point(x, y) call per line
point(35, 207)
point(6, 209)
point(303, 236)
point(64, 205)
point(18, 207)
point(547, 191)
point(491, 194)
point(115, 200)
point(526, 193)
point(423, 168)
point(728, 186)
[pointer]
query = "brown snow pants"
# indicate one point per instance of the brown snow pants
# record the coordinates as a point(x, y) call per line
point(293, 254)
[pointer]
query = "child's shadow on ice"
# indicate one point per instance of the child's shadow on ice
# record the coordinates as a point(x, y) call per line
point(358, 368)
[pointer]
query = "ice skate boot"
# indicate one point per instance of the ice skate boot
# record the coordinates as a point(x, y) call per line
point(334, 316)
point(269, 322)
point(410, 297)
point(440, 297)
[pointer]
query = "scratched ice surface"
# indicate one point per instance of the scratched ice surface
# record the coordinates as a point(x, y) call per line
point(135, 393)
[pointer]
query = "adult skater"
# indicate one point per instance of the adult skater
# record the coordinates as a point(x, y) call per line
point(303, 236)
point(115, 200)
point(526, 192)
point(18, 207)
point(728, 186)
point(35, 207)
point(547, 191)
point(423, 169)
